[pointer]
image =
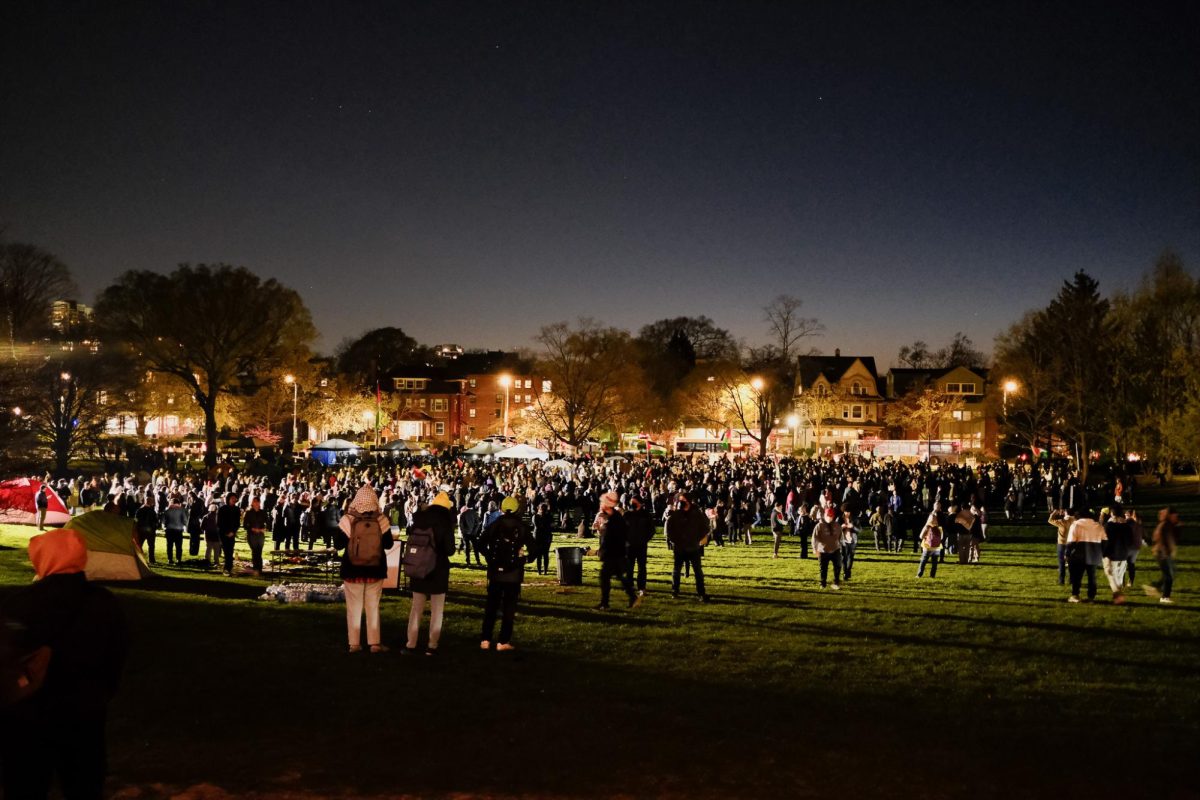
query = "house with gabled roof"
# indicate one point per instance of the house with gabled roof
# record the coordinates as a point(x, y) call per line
point(972, 426)
point(837, 401)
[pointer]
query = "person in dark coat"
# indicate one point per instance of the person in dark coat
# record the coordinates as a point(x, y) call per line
point(640, 532)
point(58, 730)
point(147, 525)
point(686, 528)
point(439, 518)
point(614, 552)
point(506, 543)
point(543, 535)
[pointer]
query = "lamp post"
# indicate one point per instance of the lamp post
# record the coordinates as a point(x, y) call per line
point(793, 421)
point(291, 380)
point(1010, 386)
point(506, 381)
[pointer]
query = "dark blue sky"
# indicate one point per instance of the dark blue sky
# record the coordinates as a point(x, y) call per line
point(471, 171)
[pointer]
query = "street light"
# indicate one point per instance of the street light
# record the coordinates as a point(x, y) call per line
point(291, 380)
point(793, 422)
point(506, 381)
point(1010, 386)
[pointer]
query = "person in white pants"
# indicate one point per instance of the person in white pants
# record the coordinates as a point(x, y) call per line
point(364, 535)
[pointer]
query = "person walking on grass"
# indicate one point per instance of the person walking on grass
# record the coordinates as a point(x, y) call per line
point(506, 544)
point(436, 522)
point(641, 531)
point(1085, 543)
point(1166, 545)
point(614, 552)
point(1119, 533)
point(365, 535)
point(779, 521)
point(827, 546)
point(931, 547)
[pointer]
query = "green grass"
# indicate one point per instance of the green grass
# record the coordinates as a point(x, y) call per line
point(982, 683)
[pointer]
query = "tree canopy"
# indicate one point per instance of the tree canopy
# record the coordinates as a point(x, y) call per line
point(217, 328)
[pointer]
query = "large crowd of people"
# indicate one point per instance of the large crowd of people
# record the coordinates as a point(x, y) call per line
point(460, 506)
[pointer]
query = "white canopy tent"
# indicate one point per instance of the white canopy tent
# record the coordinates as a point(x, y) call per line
point(485, 449)
point(524, 452)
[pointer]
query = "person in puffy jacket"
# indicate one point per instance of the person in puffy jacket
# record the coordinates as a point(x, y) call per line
point(507, 544)
point(827, 546)
point(439, 518)
point(686, 529)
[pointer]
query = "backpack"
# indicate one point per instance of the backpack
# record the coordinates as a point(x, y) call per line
point(935, 538)
point(366, 541)
point(505, 551)
point(420, 555)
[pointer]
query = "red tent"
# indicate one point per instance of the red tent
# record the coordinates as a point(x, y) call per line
point(18, 503)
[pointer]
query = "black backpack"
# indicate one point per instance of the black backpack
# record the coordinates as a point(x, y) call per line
point(420, 553)
point(504, 552)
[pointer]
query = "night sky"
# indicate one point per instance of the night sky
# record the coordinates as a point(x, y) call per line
point(469, 172)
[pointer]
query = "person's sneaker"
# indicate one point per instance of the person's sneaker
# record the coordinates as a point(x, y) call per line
point(379, 648)
point(505, 647)
point(356, 648)
point(834, 586)
point(1073, 599)
point(675, 595)
point(641, 592)
point(431, 651)
point(1166, 600)
point(407, 651)
point(485, 645)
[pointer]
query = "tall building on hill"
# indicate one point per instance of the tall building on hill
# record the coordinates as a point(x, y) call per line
point(68, 316)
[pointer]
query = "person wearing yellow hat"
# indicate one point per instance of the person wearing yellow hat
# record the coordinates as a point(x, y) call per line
point(433, 527)
point(508, 546)
point(76, 638)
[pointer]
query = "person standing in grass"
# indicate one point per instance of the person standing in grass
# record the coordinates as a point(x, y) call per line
point(365, 534)
point(543, 536)
point(686, 529)
point(229, 519)
point(439, 518)
point(1062, 522)
point(849, 539)
point(175, 520)
point(146, 519)
point(255, 523)
point(1085, 543)
point(931, 546)
point(827, 546)
point(505, 543)
point(778, 522)
point(641, 531)
point(1166, 544)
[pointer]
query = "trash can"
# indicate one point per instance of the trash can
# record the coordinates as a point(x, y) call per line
point(570, 566)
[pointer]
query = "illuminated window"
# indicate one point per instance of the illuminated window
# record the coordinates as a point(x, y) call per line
point(545, 387)
point(471, 413)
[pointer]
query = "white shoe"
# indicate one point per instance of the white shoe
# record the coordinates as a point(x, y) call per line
point(1073, 599)
point(834, 586)
point(1166, 600)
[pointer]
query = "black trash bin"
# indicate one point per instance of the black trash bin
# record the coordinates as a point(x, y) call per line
point(570, 566)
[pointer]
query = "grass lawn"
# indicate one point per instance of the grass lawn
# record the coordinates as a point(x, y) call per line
point(981, 683)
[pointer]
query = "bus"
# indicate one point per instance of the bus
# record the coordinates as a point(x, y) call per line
point(686, 447)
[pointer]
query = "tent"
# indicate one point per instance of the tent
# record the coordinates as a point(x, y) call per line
point(112, 554)
point(485, 449)
point(523, 452)
point(18, 503)
point(400, 446)
point(331, 451)
point(559, 464)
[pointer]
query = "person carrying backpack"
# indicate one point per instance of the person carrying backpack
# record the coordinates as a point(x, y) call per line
point(508, 545)
point(931, 546)
point(427, 565)
point(365, 534)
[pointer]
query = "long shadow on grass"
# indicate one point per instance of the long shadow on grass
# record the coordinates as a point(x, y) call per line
point(222, 589)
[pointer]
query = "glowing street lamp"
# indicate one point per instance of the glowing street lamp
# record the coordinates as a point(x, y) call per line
point(291, 380)
point(1010, 386)
point(793, 422)
point(506, 381)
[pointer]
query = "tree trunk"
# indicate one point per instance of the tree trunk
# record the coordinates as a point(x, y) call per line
point(210, 431)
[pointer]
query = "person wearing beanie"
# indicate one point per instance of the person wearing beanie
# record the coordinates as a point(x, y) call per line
point(827, 546)
point(438, 518)
point(614, 552)
point(362, 577)
point(506, 543)
point(76, 636)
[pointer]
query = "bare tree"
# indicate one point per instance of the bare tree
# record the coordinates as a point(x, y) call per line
point(786, 327)
point(30, 279)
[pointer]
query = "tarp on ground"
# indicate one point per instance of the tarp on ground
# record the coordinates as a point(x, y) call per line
point(524, 452)
point(18, 503)
point(112, 553)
